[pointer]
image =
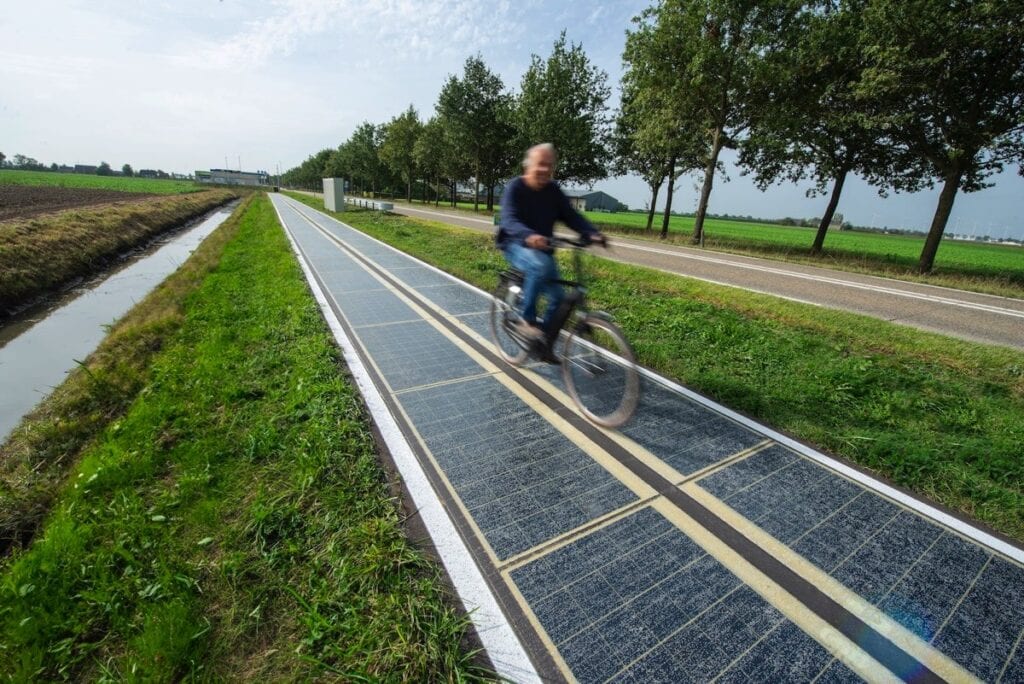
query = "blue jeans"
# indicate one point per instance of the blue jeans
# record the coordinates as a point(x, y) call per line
point(539, 271)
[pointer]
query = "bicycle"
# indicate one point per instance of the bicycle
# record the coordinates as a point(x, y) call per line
point(598, 364)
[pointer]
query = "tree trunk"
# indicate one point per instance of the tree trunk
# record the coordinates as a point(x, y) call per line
point(408, 190)
point(709, 180)
point(942, 211)
point(668, 198)
point(454, 192)
point(476, 187)
point(654, 200)
point(830, 211)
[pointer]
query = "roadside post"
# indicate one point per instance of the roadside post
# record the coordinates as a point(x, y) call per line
point(334, 194)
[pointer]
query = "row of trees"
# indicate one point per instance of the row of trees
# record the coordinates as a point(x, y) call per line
point(903, 93)
point(25, 163)
point(478, 131)
point(906, 94)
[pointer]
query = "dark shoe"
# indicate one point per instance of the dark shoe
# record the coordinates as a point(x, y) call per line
point(548, 356)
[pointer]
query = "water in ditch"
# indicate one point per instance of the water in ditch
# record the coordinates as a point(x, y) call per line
point(40, 347)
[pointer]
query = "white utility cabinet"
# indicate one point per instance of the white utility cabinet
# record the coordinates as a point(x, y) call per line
point(334, 194)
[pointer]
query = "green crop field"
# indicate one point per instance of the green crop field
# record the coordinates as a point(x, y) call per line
point(80, 180)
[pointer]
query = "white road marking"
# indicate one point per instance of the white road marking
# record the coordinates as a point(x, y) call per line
point(441, 213)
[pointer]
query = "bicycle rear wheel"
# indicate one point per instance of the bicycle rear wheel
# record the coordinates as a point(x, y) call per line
point(600, 372)
point(511, 346)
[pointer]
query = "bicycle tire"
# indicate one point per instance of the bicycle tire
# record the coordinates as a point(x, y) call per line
point(599, 369)
point(509, 348)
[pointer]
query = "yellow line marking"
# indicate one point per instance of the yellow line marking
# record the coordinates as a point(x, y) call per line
point(442, 383)
point(727, 461)
point(822, 632)
point(538, 628)
point(383, 325)
point(964, 596)
point(529, 555)
point(913, 645)
point(1009, 659)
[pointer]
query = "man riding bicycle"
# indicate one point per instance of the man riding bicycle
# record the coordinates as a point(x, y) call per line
point(530, 205)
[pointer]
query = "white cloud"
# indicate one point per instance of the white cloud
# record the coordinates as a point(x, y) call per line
point(391, 29)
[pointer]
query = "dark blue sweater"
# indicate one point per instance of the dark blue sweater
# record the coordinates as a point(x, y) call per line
point(525, 212)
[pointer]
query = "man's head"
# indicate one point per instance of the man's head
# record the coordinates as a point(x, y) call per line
point(539, 164)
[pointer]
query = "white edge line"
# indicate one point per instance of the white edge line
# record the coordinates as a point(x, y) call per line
point(499, 640)
point(441, 213)
point(941, 517)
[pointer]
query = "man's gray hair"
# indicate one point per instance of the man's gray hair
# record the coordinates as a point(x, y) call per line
point(547, 147)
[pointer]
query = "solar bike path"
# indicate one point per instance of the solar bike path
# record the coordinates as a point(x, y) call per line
point(692, 545)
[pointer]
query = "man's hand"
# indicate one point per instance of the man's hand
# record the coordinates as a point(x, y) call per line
point(536, 242)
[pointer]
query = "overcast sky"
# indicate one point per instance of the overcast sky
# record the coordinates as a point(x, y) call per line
point(194, 84)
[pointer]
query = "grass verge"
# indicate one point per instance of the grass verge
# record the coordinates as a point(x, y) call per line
point(232, 522)
point(939, 416)
point(39, 255)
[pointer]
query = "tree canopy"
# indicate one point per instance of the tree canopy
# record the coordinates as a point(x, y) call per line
point(563, 100)
point(477, 111)
point(950, 79)
point(398, 144)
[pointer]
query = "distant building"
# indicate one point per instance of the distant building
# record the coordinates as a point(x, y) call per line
point(229, 177)
point(593, 200)
point(85, 168)
point(146, 173)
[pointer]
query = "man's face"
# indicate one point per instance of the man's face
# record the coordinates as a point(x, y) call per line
point(538, 167)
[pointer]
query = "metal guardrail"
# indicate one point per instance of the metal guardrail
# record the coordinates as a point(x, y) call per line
point(369, 204)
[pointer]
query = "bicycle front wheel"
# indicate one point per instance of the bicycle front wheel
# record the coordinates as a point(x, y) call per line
point(600, 372)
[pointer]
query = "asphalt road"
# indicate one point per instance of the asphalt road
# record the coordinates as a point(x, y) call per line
point(967, 315)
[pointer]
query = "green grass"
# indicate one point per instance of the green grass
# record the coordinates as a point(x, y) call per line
point(937, 415)
point(233, 522)
point(159, 186)
point(976, 266)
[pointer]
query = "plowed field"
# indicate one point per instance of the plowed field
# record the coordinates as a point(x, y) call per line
point(20, 201)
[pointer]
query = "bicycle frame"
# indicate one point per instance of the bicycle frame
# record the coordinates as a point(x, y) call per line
point(575, 301)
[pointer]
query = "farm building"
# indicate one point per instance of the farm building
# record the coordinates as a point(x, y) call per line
point(229, 177)
point(593, 200)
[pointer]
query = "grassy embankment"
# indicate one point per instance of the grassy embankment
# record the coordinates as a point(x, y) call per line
point(934, 414)
point(41, 254)
point(213, 504)
point(156, 186)
point(976, 266)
